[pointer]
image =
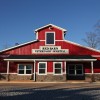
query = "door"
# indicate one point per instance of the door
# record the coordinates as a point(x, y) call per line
point(75, 72)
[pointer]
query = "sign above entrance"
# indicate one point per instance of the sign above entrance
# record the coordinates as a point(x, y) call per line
point(50, 49)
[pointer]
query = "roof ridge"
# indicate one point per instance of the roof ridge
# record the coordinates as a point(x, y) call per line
point(49, 25)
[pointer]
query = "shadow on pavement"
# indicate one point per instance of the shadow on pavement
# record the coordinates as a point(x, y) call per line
point(45, 93)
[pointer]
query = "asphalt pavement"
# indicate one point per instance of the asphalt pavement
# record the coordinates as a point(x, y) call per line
point(49, 91)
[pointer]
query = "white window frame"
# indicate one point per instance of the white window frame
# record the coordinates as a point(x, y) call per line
point(75, 70)
point(46, 38)
point(54, 68)
point(24, 69)
point(45, 68)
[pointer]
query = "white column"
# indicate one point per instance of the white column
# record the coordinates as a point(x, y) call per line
point(92, 67)
point(34, 71)
point(65, 66)
point(7, 67)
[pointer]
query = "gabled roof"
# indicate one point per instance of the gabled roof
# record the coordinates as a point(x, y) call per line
point(18, 46)
point(50, 25)
point(38, 40)
point(89, 48)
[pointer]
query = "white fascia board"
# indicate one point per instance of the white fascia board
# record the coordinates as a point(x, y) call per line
point(50, 59)
point(51, 25)
point(19, 59)
point(83, 46)
point(95, 55)
point(17, 46)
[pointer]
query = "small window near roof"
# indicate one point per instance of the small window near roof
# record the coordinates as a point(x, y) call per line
point(49, 38)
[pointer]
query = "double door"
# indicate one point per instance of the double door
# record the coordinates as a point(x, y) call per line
point(75, 72)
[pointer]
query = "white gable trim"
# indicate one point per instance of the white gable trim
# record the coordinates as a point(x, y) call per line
point(50, 59)
point(82, 46)
point(17, 46)
point(51, 25)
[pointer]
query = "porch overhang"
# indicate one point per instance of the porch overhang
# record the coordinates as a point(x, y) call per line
point(32, 58)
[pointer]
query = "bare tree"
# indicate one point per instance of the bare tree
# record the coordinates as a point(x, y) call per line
point(97, 27)
point(92, 40)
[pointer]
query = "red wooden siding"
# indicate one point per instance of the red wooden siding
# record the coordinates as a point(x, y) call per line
point(58, 33)
point(50, 66)
point(73, 49)
point(3, 67)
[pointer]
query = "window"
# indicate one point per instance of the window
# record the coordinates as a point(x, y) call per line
point(57, 68)
point(75, 69)
point(49, 38)
point(24, 69)
point(42, 70)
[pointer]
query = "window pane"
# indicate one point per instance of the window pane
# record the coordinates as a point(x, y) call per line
point(41, 71)
point(72, 67)
point(78, 71)
point(50, 38)
point(72, 72)
point(78, 67)
point(21, 71)
point(28, 71)
point(41, 65)
point(28, 66)
point(57, 65)
point(57, 71)
point(21, 66)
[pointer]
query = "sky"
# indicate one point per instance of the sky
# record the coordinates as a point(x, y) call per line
point(19, 19)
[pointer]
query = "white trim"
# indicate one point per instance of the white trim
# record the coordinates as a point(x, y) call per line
point(75, 70)
point(50, 73)
point(12, 73)
point(17, 46)
point(55, 40)
point(50, 25)
point(46, 37)
point(59, 40)
point(92, 71)
point(24, 74)
point(87, 73)
point(7, 67)
point(65, 67)
point(82, 46)
point(45, 68)
point(54, 68)
point(34, 71)
point(37, 36)
point(50, 59)
point(19, 60)
point(9, 73)
point(95, 55)
point(96, 73)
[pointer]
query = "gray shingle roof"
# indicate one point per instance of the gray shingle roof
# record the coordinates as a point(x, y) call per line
point(50, 57)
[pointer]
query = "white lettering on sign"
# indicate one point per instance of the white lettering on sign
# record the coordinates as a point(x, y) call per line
point(50, 49)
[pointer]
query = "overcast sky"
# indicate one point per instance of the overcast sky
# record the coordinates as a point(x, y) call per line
point(19, 18)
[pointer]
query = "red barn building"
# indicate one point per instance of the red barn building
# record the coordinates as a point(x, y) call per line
point(50, 58)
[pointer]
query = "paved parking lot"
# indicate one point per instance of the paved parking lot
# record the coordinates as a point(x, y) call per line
point(49, 91)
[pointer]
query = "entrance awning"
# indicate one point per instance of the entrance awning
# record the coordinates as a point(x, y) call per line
point(50, 58)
